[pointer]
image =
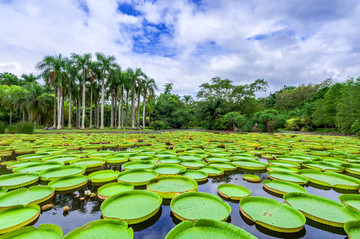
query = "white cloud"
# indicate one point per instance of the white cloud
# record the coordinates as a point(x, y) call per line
point(284, 42)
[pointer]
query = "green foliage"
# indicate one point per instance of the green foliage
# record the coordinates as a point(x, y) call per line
point(159, 125)
point(24, 128)
point(2, 127)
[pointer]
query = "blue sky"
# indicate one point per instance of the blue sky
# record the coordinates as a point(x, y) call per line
point(187, 42)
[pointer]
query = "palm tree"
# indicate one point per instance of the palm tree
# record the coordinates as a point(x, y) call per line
point(82, 62)
point(134, 78)
point(71, 73)
point(105, 63)
point(139, 88)
point(149, 87)
point(121, 79)
point(95, 72)
point(29, 78)
point(51, 67)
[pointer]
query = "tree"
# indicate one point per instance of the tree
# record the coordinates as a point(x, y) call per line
point(149, 88)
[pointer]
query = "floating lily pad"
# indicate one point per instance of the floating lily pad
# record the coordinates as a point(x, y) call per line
point(321, 209)
point(323, 166)
point(48, 231)
point(271, 214)
point(169, 160)
point(352, 200)
point(207, 228)
point(18, 180)
point(193, 164)
point(169, 168)
point(212, 171)
point(217, 159)
point(68, 182)
point(3, 190)
point(233, 192)
point(103, 176)
point(103, 228)
point(352, 229)
point(29, 157)
point(284, 163)
point(116, 159)
point(289, 177)
point(89, 163)
point(226, 166)
point(18, 216)
point(68, 170)
point(198, 175)
point(352, 168)
point(17, 164)
point(139, 164)
point(66, 159)
point(132, 206)
point(198, 205)
point(282, 187)
point(249, 164)
point(251, 178)
point(110, 189)
point(168, 186)
point(37, 167)
point(23, 196)
point(280, 168)
point(331, 179)
point(137, 176)
point(141, 157)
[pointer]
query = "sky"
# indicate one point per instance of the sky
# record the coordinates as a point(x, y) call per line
point(187, 42)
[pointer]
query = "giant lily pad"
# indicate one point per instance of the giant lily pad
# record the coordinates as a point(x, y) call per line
point(284, 163)
point(331, 179)
point(282, 187)
point(207, 228)
point(198, 205)
point(321, 209)
point(103, 176)
point(68, 170)
point(68, 182)
point(89, 163)
point(352, 229)
point(352, 168)
point(17, 164)
point(193, 164)
point(198, 175)
point(17, 180)
point(23, 196)
point(139, 164)
point(137, 176)
point(132, 206)
point(48, 231)
point(323, 166)
point(226, 166)
point(250, 164)
point(17, 216)
point(212, 171)
point(168, 186)
point(103, 228)
point(352, 200)
point(281, 168)
point(271, 214)
point(289, 177)
point(233, 192)
point(110, 189)
point(169, 169)
point(251, 178)
point(37, 167)
point(116, 159)
point(3, 190)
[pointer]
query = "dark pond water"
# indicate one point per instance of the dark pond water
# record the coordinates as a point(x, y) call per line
point(84, 211)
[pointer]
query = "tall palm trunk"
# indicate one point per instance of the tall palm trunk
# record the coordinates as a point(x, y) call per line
point(77, 114)
point(120, 120)
point(112, 109)
point(10, 116)
point(91, 105)
point(59, 108)
point(98, 112)
point(83, 103)
point(144, 111)
point(133, 109)
point(102, 102)
point(127, 108)
point(63, 110)
point(70, 113)
point(115, 107)
point(138, 111)
point(54, 125)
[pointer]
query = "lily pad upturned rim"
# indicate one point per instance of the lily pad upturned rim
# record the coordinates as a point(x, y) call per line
point(115, 159)
point(251, 178)
point(96, 223)
point(43, 227)
point(23, 223)
point(21, 190)
point(226, 169)
point(271, 226)
point(171, 194)
point(266, 185)
point(82, 170)
point(351, 225)
point(5, 176)
point(112, 176)
point(275, 175)
point(23, 169)
point(202, 163)
point(204, 174)
point(149, 164)
point(156, 174)
point(101, 162)
point(199, 194)
point(186, 225)
point(112, 184)
point(127, 193)
point(168, 165)
point(344, 197)
point(235, 186)
point(85, 181)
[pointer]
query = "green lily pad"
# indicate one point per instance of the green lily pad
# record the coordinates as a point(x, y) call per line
point(18, 180)
point(110, 189)
point(207, 228)
point(233, 192)
point(251, 178)
point(89, 163)
point(139, 164)
point(331, 179)
point(323, 166)
point(289, 177)
point(284, 163)
point(23, 196)
point(282, 187)
point(212, 171)
point(103, 176)
point(68, 170)
point(226, 166)
point(169, 160)
point(48, 231)
point(68, 182)
point(352, 200)
point(249, 164)
point(321, 209)
point(271, 214)
point(116, 159)
point(3, 190)
point(37, 167)
point(22, 163)
point(168, 186)
point(281, 168)
point(103, 228)
point(193, 164)
point(132, 206)
point(169, 169)
point(18, 216)
point(137, 177)
point(352, 229)
point(198, 205)
point(198, 175)
point(352, 168)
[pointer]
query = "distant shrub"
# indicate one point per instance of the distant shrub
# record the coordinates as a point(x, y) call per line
point(21, 128)
point(159, 124)
point(2, 127)
point(11, 129)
